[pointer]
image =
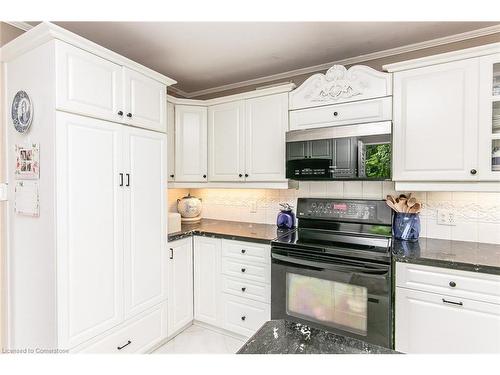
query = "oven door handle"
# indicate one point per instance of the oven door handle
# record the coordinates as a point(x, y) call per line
point(330, 266)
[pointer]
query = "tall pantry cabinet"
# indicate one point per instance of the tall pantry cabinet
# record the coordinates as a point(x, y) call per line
point(88, 273)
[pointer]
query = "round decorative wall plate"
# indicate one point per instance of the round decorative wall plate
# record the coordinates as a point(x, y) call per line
point(22, 112)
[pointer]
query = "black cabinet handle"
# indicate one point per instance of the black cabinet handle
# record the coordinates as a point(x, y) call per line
point(171, 176)
point(128, 180)
point(120, 113)
point(246, 174)
point(335, 114)
point(127, 344)
point(121, 179)
point(453, 303)
point(473, 171)
point(171, 253)
point(204, 176)
point(129, 114)
point(243, 318)
point(243, 251)
point(243, 270)
point(243, 289)
point(240, 175)
point(453, 284)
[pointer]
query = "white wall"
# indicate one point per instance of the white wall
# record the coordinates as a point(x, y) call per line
point(477, 214)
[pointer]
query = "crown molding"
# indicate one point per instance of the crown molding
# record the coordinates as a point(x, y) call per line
point(20, 25)
point(349, 61)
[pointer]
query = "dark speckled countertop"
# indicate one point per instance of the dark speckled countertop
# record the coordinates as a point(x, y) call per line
point(232, 230)
point(460, 255)
point(286, 337)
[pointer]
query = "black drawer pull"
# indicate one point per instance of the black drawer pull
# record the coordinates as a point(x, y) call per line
point(243, 269)
point(120, 113)
point(243, 318)
point(128, 179)
point(453, 284)
point(453, 303)
point(243, 251)
point(335, 114)
point(127, 344)
point(243, 289)
point(129, 114)
point(171, 253)
point(121, 179)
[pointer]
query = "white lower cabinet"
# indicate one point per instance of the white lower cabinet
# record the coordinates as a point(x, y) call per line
point(226, 297)
point(436, 318)
point(242, 315)
point(207, 265)
point(136, 336)
point(180, 284)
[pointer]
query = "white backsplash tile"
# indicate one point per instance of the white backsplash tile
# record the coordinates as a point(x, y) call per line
point(477, 214)
point(353, 189)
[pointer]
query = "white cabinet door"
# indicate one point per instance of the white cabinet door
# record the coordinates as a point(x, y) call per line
point(89, 227)
point(489, 118)
point(145, 101)
point(226, 142)
point(190, 143)
point(207, 284)
point(171, 142)
point(435, 323)
point(88, 84)
point(436, 122)
point(266, 124)
point(145, 225)
point(180, 284)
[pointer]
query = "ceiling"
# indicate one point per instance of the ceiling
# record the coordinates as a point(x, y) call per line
point(205, 55)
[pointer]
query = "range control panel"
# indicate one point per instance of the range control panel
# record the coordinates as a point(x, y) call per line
point(368, 211)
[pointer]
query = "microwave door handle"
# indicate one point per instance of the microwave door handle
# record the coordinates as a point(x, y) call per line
point(329, 266)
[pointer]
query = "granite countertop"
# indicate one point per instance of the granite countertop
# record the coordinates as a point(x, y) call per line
point(460, 255)
point(232, 230)
point(286, 337)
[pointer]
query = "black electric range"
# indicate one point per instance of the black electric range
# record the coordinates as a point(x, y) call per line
point(334, 271)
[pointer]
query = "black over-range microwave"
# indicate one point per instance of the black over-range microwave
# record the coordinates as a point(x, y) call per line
point(340, 153)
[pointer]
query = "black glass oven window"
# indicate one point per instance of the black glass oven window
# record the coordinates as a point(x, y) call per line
point(327, 302)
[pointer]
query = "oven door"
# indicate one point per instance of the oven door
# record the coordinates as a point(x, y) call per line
point(345, 296)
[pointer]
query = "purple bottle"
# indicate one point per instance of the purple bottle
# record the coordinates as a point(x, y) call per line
point(286, 217)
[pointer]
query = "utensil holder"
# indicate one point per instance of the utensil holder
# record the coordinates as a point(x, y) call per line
point(406, 226)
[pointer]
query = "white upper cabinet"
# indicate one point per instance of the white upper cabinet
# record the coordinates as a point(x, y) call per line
point(265, 127)
point(91, 85)
point(145, 102)
point(190, 143)
point(436, 122)
point(89, 227)
point(489, 117)
point(180, 284)
point(246, 139)
point(144, 184)
point(170, 141)
point(88, 84)
point(226, 140)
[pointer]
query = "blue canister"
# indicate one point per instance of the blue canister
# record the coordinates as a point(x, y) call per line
point(406, 226)
point(286, 217)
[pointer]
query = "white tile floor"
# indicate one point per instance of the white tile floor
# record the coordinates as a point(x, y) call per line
point(200, 340)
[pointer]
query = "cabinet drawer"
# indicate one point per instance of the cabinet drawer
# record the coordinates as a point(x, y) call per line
point(247, 271)
point(243, 288)
point(244, 316)
point(142, 333)
point(342, 114)
point(246, 251)
point(465, 284)
point(437, 323)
